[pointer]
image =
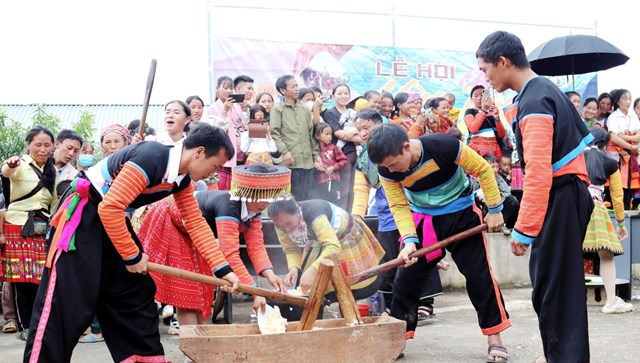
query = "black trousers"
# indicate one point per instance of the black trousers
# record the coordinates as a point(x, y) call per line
point(510, 209)
point(347, 178)
point(25, 295)
point(557, 275)
point(93, 281)
point(391, 245)
point(470, 255)
point(303, 181)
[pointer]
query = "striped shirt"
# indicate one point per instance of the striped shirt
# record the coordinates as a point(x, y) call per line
point(141, 174)
point(227, 221)
point(551, 138)
point(438, 184)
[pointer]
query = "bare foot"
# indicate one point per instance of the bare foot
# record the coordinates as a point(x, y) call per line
point(540, 360)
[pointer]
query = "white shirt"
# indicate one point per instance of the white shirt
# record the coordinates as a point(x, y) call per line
point(256, 144)
point(165, 139)
point(620, 123)
point(99, 174)
point(67, 172)
point(245, 213)
point(173, 165)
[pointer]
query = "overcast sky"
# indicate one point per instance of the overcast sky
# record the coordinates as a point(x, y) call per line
point(72, 51)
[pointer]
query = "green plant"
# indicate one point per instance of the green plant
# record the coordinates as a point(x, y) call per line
point(85, 126)
point(42, 117)
point(11, 135)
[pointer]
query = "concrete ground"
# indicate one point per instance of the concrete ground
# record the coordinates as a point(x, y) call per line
point(451, 336)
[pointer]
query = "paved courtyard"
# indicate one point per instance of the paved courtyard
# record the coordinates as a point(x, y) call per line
point(452, 335)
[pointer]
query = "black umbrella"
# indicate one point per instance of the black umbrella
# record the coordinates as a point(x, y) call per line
point(575, 54)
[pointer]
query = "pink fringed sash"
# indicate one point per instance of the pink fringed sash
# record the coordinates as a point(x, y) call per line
point(428, 234)
point(68, 217)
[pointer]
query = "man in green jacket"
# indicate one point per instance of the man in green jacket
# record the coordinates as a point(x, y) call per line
point(292, 130)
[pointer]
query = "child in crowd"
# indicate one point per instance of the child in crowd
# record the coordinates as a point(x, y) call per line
point(509, 202)
point(574, 97)
point(505, 168)
point(332, 160)
point(258, 149)
point(601, 238)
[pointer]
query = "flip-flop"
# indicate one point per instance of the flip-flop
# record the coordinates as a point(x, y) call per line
point(10, 327)
point(497, 351)
point(90, 338)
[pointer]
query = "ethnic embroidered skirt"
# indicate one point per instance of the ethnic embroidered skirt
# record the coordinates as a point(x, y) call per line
point(601, 234)
point(23, 259)
point(486, 145)
point(259, 157)
point(166, 241)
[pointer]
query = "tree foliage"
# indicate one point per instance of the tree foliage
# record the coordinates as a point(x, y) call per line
point(13, 132)
point(42, 117)
point(12, 135)
point(85, 126)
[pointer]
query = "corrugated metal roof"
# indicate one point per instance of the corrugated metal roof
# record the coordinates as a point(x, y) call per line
point(104, 114)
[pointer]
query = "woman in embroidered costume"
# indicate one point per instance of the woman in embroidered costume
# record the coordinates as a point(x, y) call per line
point(229, 215)
point(439, 107)
point(408, 116)
point(96, 266)
point(601, 237)
point(32, 197)
point(624, 131)
point(312, 230)
point(483, 122)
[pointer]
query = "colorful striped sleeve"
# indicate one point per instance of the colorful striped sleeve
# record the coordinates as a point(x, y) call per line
point(474, 122)
point(200, 232)
point(400, 210)
point(537, 142)
point(228, 229)
point(126, 187)
point(473, 163)
point(255, 246)
point(615, 187)
point(292, 252)
point(361, 194)
point(326, 237)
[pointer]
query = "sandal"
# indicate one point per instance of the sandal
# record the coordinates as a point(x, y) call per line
point(90, 338)
point(497, 353)
point(425, 313)
point(10, 327)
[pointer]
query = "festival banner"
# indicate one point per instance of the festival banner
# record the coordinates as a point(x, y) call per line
point(428, 72)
